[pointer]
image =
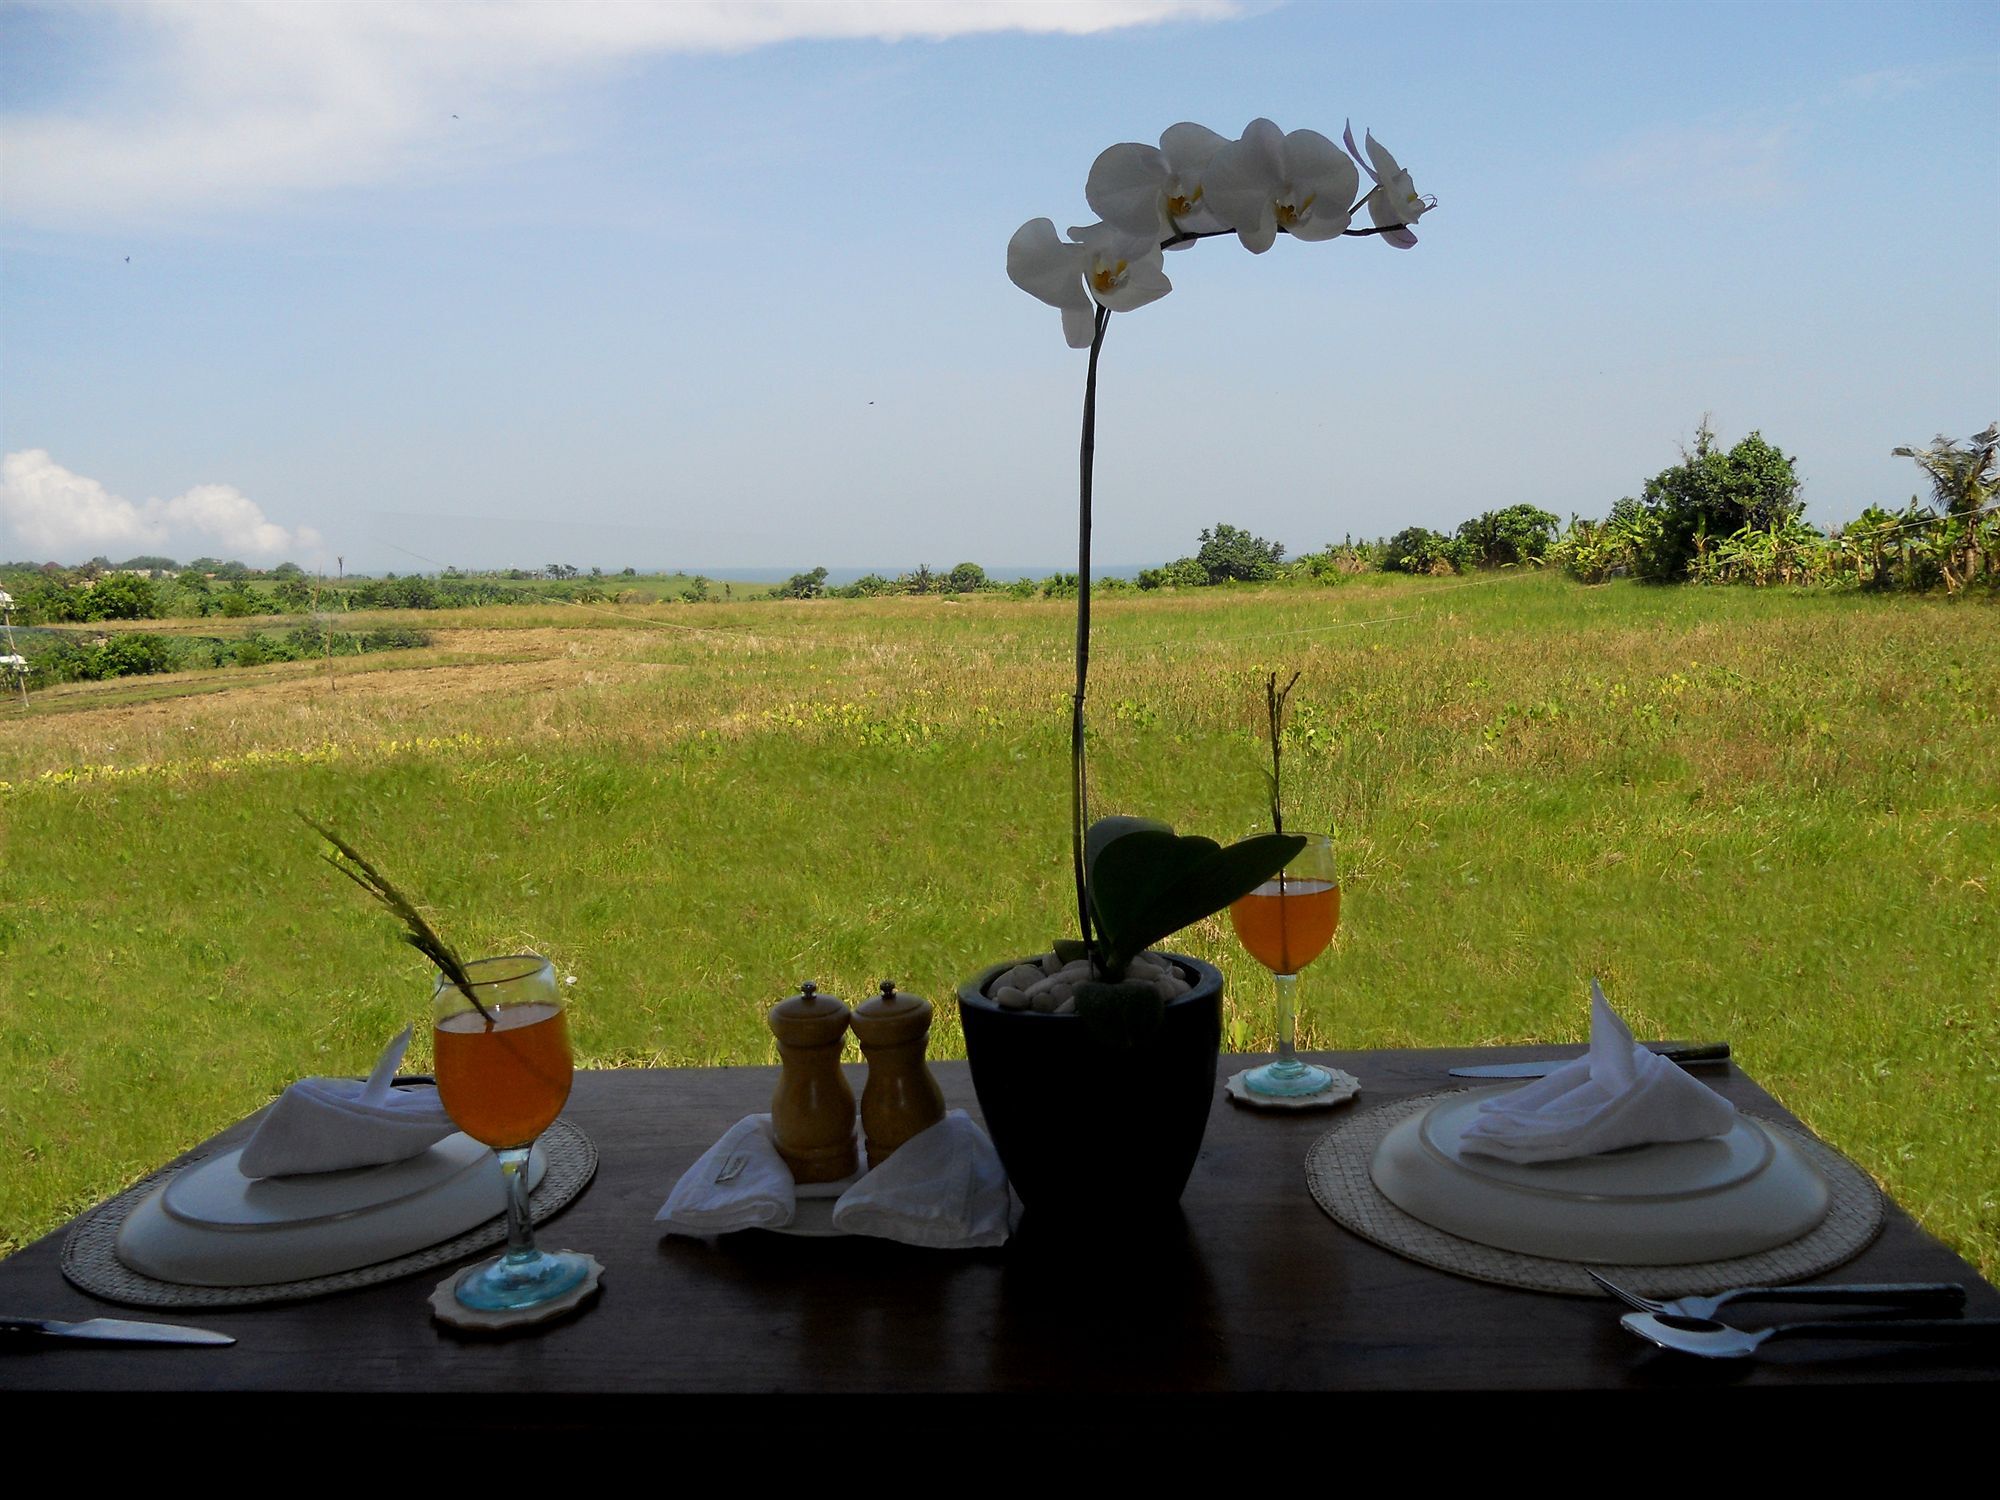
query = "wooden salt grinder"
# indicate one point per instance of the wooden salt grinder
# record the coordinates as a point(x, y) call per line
point(812, 1113)
point(901, 1097)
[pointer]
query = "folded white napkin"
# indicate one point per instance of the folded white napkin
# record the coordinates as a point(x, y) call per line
point(1621, 1094)
point(327, 1124)
point(739, 1183)
point(943, 1188)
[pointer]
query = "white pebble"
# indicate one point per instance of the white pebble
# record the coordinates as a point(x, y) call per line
point(1019, 977)
point(1066, 1007)
point(1075, 969)
point(1050, 963)
point(1010, 998)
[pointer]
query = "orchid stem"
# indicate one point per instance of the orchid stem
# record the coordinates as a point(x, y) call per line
point(1078, 789)
point(1189, 236)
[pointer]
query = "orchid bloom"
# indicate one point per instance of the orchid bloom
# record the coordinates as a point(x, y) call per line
point(1269, 180)
point(1100, 264)
point(1394, 202)
point(1157, 193)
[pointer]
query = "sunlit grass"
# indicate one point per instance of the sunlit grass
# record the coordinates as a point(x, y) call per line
point(1767, 816)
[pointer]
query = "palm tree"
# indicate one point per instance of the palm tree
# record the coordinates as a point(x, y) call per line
point(1965, 481)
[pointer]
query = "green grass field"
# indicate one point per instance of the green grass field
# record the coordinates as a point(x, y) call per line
point(1768, 816)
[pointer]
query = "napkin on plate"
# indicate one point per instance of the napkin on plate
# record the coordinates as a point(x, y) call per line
point(943, 1188)
point(739, 1183)
point(1620, 1094)
point(326, 1124)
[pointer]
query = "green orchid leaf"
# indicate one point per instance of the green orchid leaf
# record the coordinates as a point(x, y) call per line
point(1105, 830)
point(1148, 884)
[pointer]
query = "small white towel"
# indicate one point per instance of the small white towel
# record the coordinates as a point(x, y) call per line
point(739, 1183)
point(943, 1188)
point(1620, 1094)
point(329, 1124)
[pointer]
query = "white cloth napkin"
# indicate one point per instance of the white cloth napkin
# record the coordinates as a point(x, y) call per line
point(943, 1188)
point(1621, 1094)
point(327, 1124)
point(739, 1183)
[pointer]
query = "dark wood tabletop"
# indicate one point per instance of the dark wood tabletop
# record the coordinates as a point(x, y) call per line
point(1250, 1289)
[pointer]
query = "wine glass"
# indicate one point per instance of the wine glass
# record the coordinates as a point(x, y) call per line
point(503, 1071)
point(1286, 923)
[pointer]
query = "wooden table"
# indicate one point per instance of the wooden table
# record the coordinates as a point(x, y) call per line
point(1251, 1290)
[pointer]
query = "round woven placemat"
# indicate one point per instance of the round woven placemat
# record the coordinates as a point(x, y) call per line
point(90, 1254)
point(1337, 1171)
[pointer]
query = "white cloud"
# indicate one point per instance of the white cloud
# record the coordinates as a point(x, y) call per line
point(238, 102)
point(1681, 165)
point(53, 514)
point(1888, 83)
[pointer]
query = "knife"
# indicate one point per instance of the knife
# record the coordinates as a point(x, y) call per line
point(109, 1330)
point(1703, 1055)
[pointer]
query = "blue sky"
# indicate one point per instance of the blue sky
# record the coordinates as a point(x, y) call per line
point(670, 293)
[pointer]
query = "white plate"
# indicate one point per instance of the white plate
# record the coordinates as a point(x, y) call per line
point(209, 1225)
point(1668, 1204)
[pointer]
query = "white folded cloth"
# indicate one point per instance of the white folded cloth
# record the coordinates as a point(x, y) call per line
point(739, 1183)
point(1620, 1094)
point(943, 1188)
point(327, 1124)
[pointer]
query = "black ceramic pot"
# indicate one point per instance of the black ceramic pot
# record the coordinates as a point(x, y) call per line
point(1085, 1128)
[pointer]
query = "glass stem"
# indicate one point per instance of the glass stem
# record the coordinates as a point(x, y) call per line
point(520, 1227)
point(1288, 1062)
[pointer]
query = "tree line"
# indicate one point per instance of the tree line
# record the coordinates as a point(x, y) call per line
point(1719, 515)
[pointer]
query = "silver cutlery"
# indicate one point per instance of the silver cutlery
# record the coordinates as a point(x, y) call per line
point(1701, 1055)
point(1712, 1340)
point(107, 1330)
point(1941, 1297)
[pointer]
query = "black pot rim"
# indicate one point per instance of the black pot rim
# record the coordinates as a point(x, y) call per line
point(973, 991)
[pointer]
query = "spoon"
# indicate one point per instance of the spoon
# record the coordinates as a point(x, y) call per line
point(1713, 1340)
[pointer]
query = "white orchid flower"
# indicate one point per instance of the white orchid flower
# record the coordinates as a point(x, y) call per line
point(1103, 266)
point(1394, 203)
point(1158, 193)
point(1041, 264)
point(1270, 180)
point(1120, 270)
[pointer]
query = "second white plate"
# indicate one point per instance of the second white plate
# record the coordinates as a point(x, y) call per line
point(1669, 1204)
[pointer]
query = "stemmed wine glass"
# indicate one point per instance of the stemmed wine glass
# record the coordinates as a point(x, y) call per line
point(1286, 923)
point(503, 1069)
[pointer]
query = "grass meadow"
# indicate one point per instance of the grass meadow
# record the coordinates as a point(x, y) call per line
point(1770, 816)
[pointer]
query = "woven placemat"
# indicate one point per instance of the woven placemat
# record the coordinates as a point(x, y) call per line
point(1337, 1171)
point(90, 1254)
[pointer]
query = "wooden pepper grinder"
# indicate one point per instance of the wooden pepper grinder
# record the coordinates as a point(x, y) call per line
point(901, 1097)
point(812, 1113)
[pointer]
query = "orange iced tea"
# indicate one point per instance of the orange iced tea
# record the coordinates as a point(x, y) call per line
point(1287, 923)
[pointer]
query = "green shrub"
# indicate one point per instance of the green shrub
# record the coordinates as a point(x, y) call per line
point(1418, 549)
point(1229, 554)
point(123, 596)
point(134, 655)
point(237, 601)
point(1509, 537)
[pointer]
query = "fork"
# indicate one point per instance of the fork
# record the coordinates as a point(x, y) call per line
point(1932, 1297)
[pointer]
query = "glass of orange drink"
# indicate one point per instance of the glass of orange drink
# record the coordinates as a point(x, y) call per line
point(1286, 923)
point(502, 1060)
